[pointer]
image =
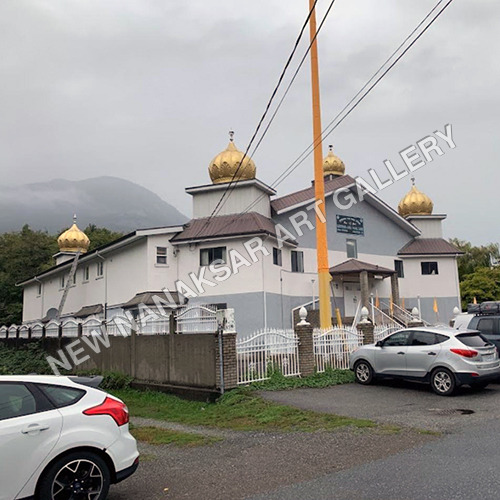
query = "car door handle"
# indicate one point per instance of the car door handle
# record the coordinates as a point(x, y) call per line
point(431, 353)
point(400, 352)
point(34, 428)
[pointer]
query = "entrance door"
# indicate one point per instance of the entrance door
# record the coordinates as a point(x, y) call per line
point(352, 296)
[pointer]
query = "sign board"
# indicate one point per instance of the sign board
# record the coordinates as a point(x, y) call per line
point(350, 225)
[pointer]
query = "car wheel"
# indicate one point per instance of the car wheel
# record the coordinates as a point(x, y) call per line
point(443, 382)
point(78, 475)
point(363, 372)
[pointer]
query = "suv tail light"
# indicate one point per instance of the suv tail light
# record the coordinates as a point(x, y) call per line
point(466, 353)
point(115, 409)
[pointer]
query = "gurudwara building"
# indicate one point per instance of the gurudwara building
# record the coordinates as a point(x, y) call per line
point(257, 254)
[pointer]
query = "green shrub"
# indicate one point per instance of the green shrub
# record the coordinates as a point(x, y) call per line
point(29, 358)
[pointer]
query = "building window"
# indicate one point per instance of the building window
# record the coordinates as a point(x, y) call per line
point(429, 268)
point(352, 249)
point(86, 272)
point(39, 289)
point(277, 256)
point(100, 269)
point(62, 281)
point(297, 261)
point(161, 255)
point(209, 255)
point(398, 266)
point(74, 279)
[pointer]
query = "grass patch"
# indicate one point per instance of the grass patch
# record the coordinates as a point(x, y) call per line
point(278, 382)
point(158, 436)
point(240, 409)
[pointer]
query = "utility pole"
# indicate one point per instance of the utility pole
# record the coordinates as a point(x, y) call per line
point(325, 308)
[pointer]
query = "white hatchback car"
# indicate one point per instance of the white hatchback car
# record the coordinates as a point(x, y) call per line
point(62, 438)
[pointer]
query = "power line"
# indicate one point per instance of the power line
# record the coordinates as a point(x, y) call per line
point(232, 187)
point(334, 124)
point(268, 105)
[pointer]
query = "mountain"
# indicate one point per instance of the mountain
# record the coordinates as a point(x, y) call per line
point(109, 202)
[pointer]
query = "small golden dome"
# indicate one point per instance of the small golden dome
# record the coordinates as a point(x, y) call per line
point(225, 165)
point(73, 240)
point(415, 203)
point(332, 164)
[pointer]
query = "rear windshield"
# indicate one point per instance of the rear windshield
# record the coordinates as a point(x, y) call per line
point(473, 340)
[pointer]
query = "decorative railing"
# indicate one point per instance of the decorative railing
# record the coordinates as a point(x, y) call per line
point(333, 347)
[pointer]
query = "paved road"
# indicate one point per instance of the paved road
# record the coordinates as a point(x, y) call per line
point(461, 466)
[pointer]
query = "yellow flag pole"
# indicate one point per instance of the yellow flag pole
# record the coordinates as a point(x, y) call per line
point(325, 308)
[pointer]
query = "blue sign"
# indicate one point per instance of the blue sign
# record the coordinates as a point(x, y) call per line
point(350, 225)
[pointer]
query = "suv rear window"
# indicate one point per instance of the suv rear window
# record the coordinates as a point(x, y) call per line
point(62, 396)
point(473, 340)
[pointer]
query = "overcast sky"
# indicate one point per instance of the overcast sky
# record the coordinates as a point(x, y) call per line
point(148, 89)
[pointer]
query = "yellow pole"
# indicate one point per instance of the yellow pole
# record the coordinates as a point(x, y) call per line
point(325, 309)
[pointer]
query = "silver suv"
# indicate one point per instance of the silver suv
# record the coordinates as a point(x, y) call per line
point(443, 357)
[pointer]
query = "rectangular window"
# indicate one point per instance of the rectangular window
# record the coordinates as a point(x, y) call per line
point(86, 272)
point(429, 268)
point(297, 261)
point(100, 269)
point(352, 249)
point(398, 266)
point(74, 279)
point(277, 256)
point(209, 255)
point(161, 255)
point(62, 281)
point(39, 289)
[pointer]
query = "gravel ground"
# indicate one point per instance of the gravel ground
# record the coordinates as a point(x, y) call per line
point(249, 463)
point(400, 403)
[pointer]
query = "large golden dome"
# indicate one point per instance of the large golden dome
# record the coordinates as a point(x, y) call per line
point(415, 203)
point(225, 165)
point(332, 164)
point(73, 240)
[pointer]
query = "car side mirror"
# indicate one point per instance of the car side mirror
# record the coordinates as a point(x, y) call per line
point(379, 344)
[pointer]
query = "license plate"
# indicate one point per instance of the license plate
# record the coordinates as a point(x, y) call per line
point(488, 357)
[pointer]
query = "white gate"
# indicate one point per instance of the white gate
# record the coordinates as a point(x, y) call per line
point(197, 319)
point(380, 332)
point(265, 351)
point(332, 348)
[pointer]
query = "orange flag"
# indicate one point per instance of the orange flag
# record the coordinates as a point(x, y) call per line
point(391, 306)
point(403, 303)
point(377, 301)
point(435, 307)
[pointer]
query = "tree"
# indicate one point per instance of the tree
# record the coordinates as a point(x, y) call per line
point(474, 257)
point(483, 284)
point(100, 236)
point(23, 254)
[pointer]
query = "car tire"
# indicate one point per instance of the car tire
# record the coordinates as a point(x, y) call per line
point(363, 372)
point(81, 472)
point(443, 382)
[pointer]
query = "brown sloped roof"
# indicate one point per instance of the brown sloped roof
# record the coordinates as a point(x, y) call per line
point(429, 246)
point(354, 266)
point(89, 311)
point(151, 299)
point(304, 195)
point(226, 225)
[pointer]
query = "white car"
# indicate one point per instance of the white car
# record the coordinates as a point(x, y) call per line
point(62, 438)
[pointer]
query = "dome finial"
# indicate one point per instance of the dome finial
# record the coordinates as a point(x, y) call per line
point(415, 202)
point(332, 164)
point(231, 165)
point(73, 240)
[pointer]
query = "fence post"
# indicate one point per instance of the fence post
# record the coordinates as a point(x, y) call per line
point(304, 332)
point(171, 323)
point(229, 367)
point(415, 318)
point(366, 327)
point(133, 338)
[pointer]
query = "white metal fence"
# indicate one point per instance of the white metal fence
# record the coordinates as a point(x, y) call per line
point(332, 348)
point(197, 319)
point(382, 331)
point(265, 351)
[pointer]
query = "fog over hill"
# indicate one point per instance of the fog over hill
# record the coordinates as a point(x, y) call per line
point(109, 202)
